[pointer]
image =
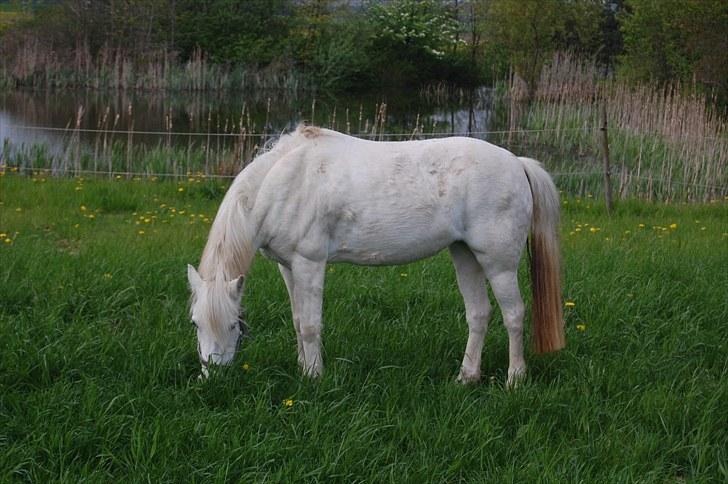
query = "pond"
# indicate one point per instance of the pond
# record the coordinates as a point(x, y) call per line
point(118, 130)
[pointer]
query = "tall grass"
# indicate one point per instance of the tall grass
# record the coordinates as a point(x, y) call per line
point(32, 63)
point(98, 364)
point(666, 142)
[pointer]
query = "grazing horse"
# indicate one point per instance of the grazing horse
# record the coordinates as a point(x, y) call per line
point(319, 196)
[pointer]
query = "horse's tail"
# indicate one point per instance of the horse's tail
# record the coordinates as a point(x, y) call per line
point(547, 315)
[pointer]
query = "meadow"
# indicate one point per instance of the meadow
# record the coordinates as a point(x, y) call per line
point(98, 368)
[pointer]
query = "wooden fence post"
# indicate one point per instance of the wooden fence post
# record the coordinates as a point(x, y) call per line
point(607, 169)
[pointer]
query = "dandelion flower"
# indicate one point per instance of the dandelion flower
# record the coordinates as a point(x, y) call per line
point(287, 402)
point(641, 226)
point(569, 304)
point(3, 235)
point(83, 208)
point(181, 189)
point(402, 274)
point(107, 275)
point(8, 241)
point(673, 226)
point(581, 327)
point(141, 232)
point(246, 367)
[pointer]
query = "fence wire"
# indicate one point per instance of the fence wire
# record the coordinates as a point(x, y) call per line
point(244, 134)
point(270, 135)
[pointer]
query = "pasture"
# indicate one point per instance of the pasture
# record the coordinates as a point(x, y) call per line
point(98, 368)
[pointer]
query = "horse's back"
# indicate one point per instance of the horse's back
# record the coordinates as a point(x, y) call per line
point(391, 202)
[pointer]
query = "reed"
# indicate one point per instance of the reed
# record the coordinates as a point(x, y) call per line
point(28, 62)
point(667, 142)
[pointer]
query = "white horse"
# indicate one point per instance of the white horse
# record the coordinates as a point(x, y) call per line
point(319, 196)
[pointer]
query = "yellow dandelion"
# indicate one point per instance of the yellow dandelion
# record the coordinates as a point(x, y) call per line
point(118, 177)
point(673, 226)
point(78, 188)
point(246, 367)
point(287, 402)
point(147, 220)
point(641, 226)
point(3, 235)
point(402, 274)
point(181, 189)
point(83, 208)
point(594, 230)
point(107, 275)
point(569, 304)
point(581, 327)
point(578, 229)
point(91, 215)
point(8, 241)
point(141, 232)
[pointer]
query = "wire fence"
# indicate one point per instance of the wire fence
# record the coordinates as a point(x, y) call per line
point(416, 132)
point(114, 154)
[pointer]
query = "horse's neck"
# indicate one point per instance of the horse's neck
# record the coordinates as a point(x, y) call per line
point(231, 246)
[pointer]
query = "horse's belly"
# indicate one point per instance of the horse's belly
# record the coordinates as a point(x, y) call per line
point(376, 245)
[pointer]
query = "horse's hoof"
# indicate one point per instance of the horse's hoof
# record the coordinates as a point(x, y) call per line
point(467, 378)
point(516, 376)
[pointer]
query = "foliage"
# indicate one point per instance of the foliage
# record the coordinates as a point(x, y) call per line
point(250, 32)
point(677, 40)
point(412, 40)
point(360, 45)
point(529, 31)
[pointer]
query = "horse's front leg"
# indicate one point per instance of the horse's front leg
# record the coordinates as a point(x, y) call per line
point(288, 279)
point(308, 288)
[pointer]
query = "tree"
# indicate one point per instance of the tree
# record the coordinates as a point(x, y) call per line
point(252, 31)
point(411, 39)
point(528, 31)
point(670, 40)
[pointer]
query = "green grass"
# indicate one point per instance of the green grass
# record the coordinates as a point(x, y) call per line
point(98, 365)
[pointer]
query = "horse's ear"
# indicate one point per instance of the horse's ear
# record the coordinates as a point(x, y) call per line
point(236, 286)
point(193, 277)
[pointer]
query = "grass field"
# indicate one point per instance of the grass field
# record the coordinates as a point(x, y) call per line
point(98, 365)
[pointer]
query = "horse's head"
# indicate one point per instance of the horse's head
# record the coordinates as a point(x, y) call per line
point(215, 312)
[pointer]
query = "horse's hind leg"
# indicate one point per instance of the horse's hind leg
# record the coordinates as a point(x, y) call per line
point(288, 279)
point(504, 284)
point(471, 281)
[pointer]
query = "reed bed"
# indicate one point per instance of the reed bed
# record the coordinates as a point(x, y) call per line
point(666, 142)
point(34, 64)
